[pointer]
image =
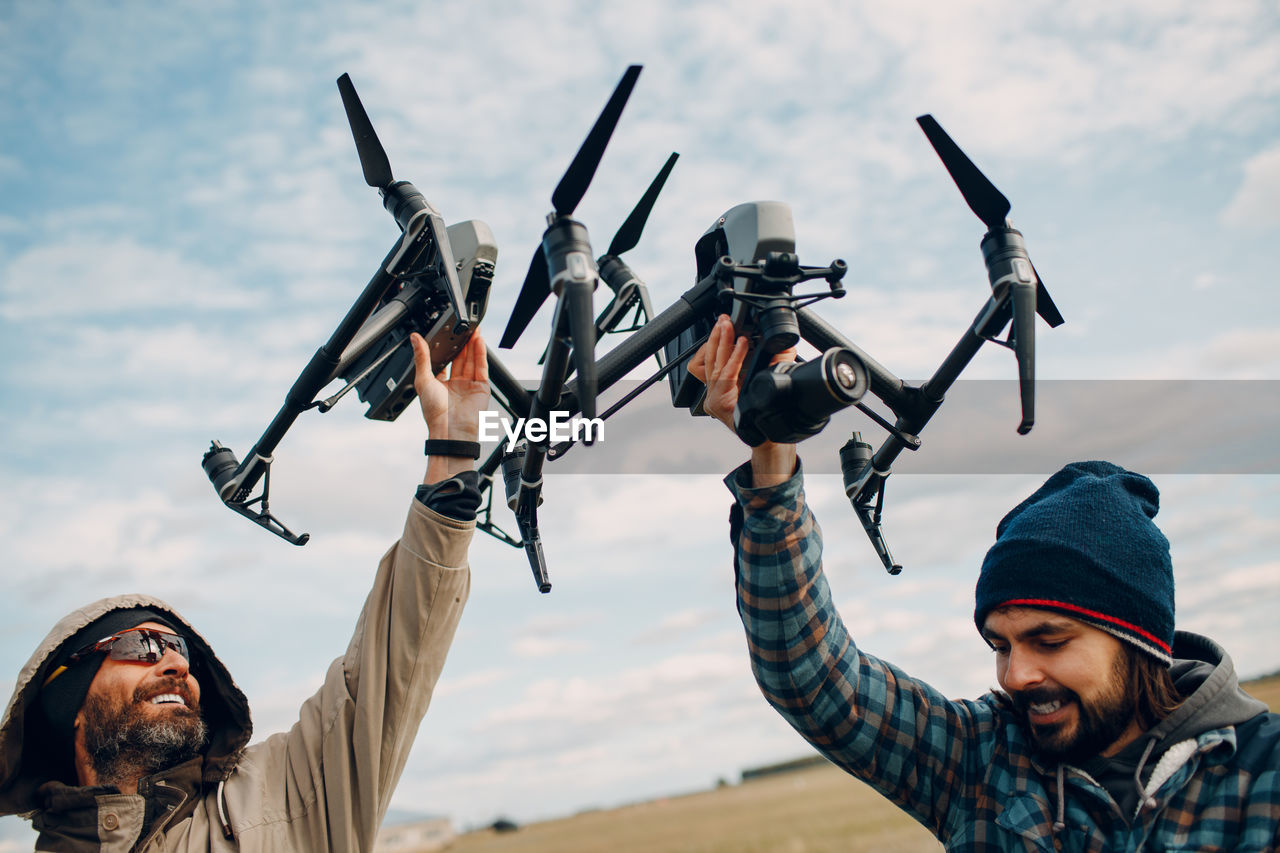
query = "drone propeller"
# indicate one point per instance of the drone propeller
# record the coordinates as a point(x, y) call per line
point(534, 291)
point(984, 199)
point(401, 199)
point(981, 195)
point(629, 232)
point(1009, 268)
point(627, 289)
point(572, 187)
point(373, 157)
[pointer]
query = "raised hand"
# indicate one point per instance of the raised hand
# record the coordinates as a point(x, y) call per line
point(718, 364)
point(451, 407)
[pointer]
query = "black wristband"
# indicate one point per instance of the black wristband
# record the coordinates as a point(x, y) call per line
point(451, 447)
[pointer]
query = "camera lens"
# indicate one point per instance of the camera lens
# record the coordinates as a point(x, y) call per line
point(822, 387)
point(846, 375)
point(779, 329)
point(793, 401)
point(836, 380)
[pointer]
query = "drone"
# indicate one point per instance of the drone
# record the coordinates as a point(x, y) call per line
point(436, 280)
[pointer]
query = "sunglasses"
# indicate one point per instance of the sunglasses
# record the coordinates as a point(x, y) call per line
point(141, 645)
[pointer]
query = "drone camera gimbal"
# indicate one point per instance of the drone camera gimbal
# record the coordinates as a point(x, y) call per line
point(756, 270)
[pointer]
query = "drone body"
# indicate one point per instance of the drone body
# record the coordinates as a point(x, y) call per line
point(436, 281)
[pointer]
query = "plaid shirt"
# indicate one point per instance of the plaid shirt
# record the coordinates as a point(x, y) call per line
point(965, 769)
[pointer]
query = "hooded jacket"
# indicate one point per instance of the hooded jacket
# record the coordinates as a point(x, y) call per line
point(323, 785)
point(1207, 777)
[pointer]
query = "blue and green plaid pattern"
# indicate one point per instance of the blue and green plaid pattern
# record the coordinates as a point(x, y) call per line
point(963, 768)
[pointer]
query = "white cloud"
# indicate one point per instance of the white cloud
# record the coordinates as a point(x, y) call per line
point(1145, 71)
point(1246, 352)
point(661, 690)
point(1256, 204)
point(74, 280)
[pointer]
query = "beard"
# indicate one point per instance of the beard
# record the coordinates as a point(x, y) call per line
point(1099, 722)
point(127, 742)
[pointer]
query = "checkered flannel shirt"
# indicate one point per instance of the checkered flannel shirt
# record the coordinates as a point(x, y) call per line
point(963, 768)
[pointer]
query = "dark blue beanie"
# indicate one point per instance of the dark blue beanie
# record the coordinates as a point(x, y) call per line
point(1085, 545)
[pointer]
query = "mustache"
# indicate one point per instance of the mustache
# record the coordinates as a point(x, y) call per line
point(1023, 699)
point(167, 684)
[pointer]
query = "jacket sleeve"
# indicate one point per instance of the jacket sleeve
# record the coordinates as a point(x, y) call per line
point(898, 734)
point(326, 783)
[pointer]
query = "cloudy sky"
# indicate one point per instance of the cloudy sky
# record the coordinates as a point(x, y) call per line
point(183, 221)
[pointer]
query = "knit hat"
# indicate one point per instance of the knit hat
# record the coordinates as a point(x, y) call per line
point(61, 698)
point(1085, 545)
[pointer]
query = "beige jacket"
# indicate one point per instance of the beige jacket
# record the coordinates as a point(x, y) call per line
point(323, 785)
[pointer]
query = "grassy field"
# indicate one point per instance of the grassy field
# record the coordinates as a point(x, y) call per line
point(819, 810)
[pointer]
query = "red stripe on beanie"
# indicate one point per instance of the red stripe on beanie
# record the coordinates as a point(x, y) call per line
point(1092, 614)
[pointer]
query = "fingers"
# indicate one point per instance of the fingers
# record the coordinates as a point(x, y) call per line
point(421, 362)
point(725, 340)
point(725, 353)
point(421, 358)
point(472, 361)
point(711, 357)
point(697, 362)
point(481, 355)
point(732, 366)
point(462, 364)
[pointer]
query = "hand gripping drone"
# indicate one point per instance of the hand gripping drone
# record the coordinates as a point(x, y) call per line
point(436, 280)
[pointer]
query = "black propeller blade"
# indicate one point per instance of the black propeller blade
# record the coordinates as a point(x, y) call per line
point(1044, 303)
point(401, 199)
point(982, 196)
point(570, 190)
point(573, 186)
point(534, 291)
point(629, 232)
point(984, 199)
point(373, 159)
point(616, 273)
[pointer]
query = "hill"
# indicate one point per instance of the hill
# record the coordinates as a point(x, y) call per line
point(812, 810)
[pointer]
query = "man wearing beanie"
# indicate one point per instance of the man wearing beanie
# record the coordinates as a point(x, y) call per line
point(125, 731)
point(1111, 731)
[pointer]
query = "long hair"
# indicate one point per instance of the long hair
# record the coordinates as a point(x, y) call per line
point(1154, 694)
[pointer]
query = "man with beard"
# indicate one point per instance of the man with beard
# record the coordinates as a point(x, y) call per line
point(125, 731)
point(134, 720)
point(1111, 731)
